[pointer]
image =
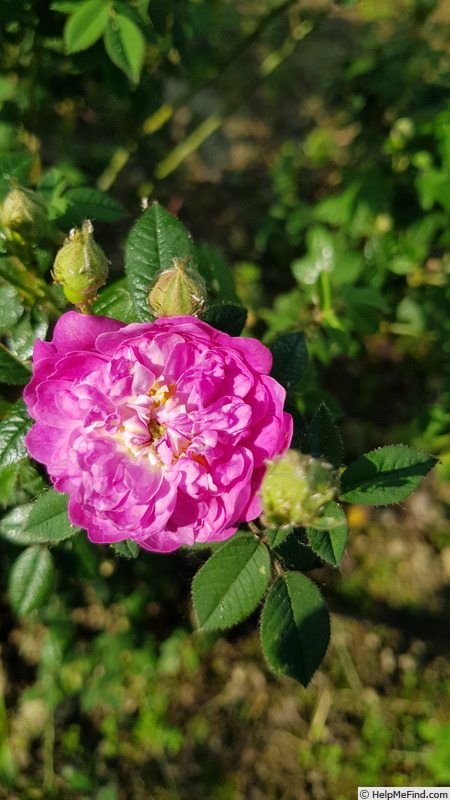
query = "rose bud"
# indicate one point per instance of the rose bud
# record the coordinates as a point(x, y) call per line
point(296, 489)
point(81, 266)
point(178, 291)
point(25, 213)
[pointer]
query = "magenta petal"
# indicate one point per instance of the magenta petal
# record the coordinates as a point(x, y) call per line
point(75, 331)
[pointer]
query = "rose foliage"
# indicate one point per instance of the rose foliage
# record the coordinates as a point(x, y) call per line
point(158, 431)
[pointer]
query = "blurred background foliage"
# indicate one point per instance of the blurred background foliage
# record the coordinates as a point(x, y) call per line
point(307, 144)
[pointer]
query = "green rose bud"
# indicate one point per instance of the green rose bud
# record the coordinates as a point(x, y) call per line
point(296, 489)
point(25, 212)
point(81, 266)
point(178, 291)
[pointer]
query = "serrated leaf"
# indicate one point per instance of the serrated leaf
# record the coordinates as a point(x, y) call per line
point(12, 433)
point(12, 370)
point(154, 241)
point(12, 526)
point(295, 627)
point(217, 273)
point(275, 536)
point(14, 165)
point(231, 583)
point(11, 309)
point(125, 45)
point(295, 552)
point(48, 521)
point(85, 26)
point(323, 439)
point(290, 358)
point(386, 475)
point(126, 548)
point(329, 543)
point(87, 203)
point(30, 580)
point(228, 318)
point(115, 302)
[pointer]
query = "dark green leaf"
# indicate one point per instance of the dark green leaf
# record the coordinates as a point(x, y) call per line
point(290, 359)
point(295, 627)
point(115, 301)
point(48, 521)
point(232, 582)
point(127, 548)
point(125, 45)
point(31, 579)
point(21, 340)
point(14, 165)
point(11, 308)
point(323, 439)
point(228, 318)
point(383, 476)
point(329, 543)
point(87, 203)
point(154, 241)
point(8, 482)
point(12, 433)
point(295, 552)
point(85, 25)
point(217, 273)
point(12, 370)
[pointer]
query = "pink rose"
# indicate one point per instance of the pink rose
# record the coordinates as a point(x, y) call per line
point(158, 431)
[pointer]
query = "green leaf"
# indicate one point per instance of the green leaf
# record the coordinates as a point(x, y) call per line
point(386, 475)
point(8, 482)
point(295, 627)
point(21, 340)
point(295, 552)
point(323, 439)
point(14, 165)
point(30, 580)
point(11, 308)
point(125, 45)
point(228, 318)
point(290, 358)
point(12, 526)
point(48, 521)
point(217, 273)
point(87, 203)
point(127, 548)
point(12, 370)
point(330, 543)
point(231, 583)
point(115, 302)
point(154, 241)
point(12, 433)
point(86, 25)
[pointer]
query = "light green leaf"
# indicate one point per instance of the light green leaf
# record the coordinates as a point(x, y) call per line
point(290, 358)
point(329, 543)
point(115, 302)
point(12, 526)
point(21, 340)
point(231, 583)
point(11, 308)
point(48, 521)
point(228, 318)
point(295, 627)
point(30, 580)
point(154, 241)
point(386, 475)
point(12, 433)
point(85, 25)
point(8, 482)
point(12, 370)
point(125, 45)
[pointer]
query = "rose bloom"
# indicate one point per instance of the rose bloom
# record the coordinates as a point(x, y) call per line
point(158, 431)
